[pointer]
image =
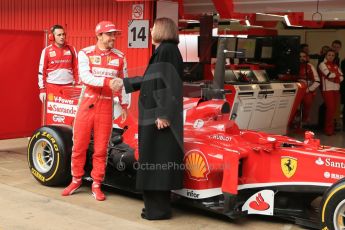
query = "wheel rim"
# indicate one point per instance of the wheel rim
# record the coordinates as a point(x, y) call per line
point(43, 156)
point(339, 216)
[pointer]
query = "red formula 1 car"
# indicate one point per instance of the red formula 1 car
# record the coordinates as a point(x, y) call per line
point(227, 170)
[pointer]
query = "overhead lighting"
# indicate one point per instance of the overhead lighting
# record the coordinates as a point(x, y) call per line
point(189, 20)
point(285, 17)
point(227, 35)
point(287, 21)
point(242, 36)
point(272, 15)
point(250, 25)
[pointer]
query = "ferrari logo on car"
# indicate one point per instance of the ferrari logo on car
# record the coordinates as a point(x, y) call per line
point(288, 166)
point(196, 165)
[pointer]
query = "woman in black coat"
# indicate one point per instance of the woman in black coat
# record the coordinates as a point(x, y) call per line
point(160, 122)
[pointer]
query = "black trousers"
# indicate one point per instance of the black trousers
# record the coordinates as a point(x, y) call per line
point(157, 205)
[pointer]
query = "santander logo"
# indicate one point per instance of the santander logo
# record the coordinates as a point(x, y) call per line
point(259, 203)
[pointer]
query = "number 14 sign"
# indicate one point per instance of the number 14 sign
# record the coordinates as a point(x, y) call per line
point(138, 33)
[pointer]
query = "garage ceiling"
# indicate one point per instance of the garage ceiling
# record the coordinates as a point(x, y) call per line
point(331, 10)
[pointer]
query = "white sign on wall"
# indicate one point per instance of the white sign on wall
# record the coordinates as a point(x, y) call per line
point(138, 33)
point(138, 11)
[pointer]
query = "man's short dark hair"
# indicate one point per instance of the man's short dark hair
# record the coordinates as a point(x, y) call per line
point(54, 27)
point(302, 46)
point(336, 42)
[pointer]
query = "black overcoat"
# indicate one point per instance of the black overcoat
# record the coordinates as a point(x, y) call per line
point(160, 151)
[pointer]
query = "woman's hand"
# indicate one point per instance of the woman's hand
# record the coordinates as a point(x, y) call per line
point(162, 123)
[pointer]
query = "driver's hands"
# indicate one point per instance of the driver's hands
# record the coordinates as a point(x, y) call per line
point(43, 97)
point(116, 84)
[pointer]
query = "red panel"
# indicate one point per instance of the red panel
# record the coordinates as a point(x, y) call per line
point(20, 105)
point(224, 7)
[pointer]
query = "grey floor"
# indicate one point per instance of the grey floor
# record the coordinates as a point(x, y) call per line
point(25, 204)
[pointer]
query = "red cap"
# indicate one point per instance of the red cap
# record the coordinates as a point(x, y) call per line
point(105, 26)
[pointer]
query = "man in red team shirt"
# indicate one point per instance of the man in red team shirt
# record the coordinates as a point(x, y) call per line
point(58, 63)
point(100, 67)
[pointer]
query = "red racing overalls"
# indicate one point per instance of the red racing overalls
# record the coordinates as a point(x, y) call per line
point(95, 111)
point(330, 92)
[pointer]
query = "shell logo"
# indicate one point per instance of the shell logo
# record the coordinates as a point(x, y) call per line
point(50, 97)
point(196, 165)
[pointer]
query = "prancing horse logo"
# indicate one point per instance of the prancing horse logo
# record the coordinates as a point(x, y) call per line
point(288, 166)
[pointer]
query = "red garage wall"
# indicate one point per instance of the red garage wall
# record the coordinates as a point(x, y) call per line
point(20, 106)
point(79, 17)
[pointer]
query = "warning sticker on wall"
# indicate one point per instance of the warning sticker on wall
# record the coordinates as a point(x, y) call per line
point(138, 11)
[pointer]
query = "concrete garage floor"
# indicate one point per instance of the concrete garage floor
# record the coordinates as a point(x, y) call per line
point(27, 205)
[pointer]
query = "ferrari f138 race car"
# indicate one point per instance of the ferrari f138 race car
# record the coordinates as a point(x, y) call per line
point(227, 170)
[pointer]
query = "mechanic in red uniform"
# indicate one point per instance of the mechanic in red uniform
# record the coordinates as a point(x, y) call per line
point(307, 74)
point(58, 63)
point(331, 76)
point(100, 67)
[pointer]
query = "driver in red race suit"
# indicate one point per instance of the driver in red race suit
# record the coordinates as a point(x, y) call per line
point(100, 68)
point(58, 63)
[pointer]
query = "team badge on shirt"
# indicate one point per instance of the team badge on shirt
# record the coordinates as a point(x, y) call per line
point(52, 54)
point(114, 62)
point(67, 52)
point(96, 60)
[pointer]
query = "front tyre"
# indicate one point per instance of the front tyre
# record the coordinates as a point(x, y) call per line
point(49, 155)
point(333, 207)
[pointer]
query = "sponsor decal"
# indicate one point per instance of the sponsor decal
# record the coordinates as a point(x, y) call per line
point(198, 124)
point(52, 139)
point(334, 164)
point(96, 60)
point(58, 118)
point(196, 165)
point(61, 61)
point(104, 72)
point(38, 175)
point(114, 62)
point(288, 166)
point(61, 109)
point(329, 162)
point(67, 52)
point(62, 100)
point(319, 161)
point(199, 193)
point(261, 202)
point(192, 194)
point(50, 97)
point(220, 137)
point(52, 54)
point(329, 175)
